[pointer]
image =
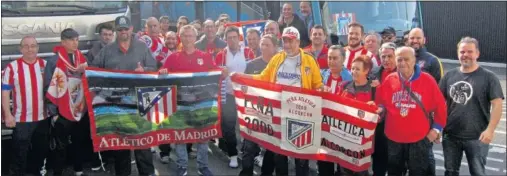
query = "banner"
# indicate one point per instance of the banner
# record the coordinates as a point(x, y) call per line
point(130, 110)
point(306, 124)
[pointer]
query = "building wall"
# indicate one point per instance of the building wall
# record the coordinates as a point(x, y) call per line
point(446, 22)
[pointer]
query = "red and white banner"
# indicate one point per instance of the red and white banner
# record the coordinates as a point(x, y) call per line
point(306, 124)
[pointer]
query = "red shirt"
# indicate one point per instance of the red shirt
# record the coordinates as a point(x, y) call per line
point(321, 58)
point(334, 83)
point(196, 62)
point(405, 120)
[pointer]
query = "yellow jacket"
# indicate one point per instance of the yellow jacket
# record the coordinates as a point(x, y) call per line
point(310, 71)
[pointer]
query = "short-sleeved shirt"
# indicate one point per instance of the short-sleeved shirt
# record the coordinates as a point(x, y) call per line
point(198, 61)
point(26, 83)
point(255, 66)
point(468, 97)
point(289, 73)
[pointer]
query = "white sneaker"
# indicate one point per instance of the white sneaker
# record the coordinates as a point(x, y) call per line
point(233, 163)
point(164, 159)
point(258, 160)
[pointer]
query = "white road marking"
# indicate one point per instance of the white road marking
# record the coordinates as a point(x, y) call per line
point(500, 132)
point(504, 171)
point(440, 168)
point(492, 169)
point(498, 145)
point(440, 156)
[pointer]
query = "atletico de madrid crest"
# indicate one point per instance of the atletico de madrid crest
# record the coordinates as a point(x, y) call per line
point(244, 89)
point(360, 114)
point(151, 102)
point(200, 61)
point(300, 133)
point(404, 112)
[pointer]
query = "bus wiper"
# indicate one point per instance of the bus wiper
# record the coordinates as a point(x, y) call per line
point(87, 8)
point(11, 11)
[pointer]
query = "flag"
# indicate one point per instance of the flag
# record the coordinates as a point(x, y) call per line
point(66, 89)
point(132, 110)
point(306, 124)
point(343, 20)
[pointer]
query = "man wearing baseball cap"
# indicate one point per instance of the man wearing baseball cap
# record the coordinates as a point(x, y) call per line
point(291, 67)
point(388, 34)
point(127, 53)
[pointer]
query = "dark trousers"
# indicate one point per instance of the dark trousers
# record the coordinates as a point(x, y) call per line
point(82, 145)
point(475, 151)
point(24, 141)
point(273, 161)
point(328, 168)
point(250, 151)
point(144, 162)
point(228, 142)
point(413, 155)
point(379, 157)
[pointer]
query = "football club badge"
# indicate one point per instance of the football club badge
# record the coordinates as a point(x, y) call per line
point(421, 64)
point(307, 70)
point(300, 133)
point(244, 89)
point(360, 114)
point(147, 97)
point(200, 61)
point(404, 112)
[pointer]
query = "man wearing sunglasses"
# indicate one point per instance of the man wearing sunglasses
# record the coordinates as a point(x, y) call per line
point(388, 35)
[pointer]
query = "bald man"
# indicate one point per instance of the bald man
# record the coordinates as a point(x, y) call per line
point(288, 19)
point(409, 99)
point(428, 62)
point(171, 41)
point(154, 40)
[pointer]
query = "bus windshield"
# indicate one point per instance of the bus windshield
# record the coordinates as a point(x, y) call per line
point(35, 8)
point(373, 15)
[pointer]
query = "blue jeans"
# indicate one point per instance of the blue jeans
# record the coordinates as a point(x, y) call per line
point(475, 150)
point(182, 155)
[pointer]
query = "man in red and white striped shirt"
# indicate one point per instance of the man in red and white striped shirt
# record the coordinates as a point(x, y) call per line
point(24, 79)
point(154, 42)
point(354, 48)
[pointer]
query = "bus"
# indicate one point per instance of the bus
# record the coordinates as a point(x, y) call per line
point(45, 20)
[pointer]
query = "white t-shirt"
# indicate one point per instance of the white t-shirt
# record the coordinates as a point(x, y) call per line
point(234, 63)
point(289, 73)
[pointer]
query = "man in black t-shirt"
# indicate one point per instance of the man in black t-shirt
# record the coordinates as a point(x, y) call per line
point(470, 91)
point(268, 46)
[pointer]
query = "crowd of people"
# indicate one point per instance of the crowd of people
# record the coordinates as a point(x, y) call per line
point(418, 104)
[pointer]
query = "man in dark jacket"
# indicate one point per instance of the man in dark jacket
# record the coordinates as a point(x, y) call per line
point(106, 33)
point(428, 62)
point(289, 18)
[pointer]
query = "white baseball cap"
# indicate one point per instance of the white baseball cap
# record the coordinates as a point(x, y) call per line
point(291, 32)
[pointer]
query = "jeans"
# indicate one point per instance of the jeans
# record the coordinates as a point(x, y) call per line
point(475, 151)
point(229, 118)
point(413, 155)
point(182, 155)
point(328, 168)
point(250, 151)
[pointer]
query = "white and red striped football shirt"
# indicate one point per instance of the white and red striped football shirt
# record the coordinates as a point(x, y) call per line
point(351, 54)
point(156, 46)
point(26, 81)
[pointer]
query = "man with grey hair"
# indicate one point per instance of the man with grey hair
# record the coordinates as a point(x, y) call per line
point(272, 27)
point(379, 157)
point(474, 101)
point(408, 97)
point(372, 43)
point(190, 59)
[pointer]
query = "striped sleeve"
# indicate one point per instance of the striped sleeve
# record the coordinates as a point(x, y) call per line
point(7, 78)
